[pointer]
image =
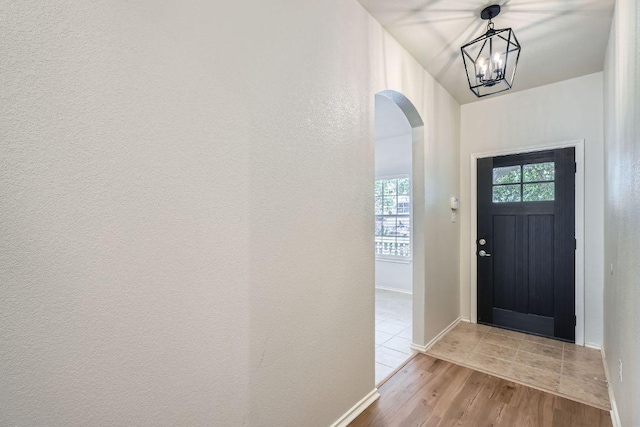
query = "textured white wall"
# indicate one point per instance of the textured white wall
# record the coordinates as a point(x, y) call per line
point(559, 112)
point(622, 204)
point(441, 115)
point(125, 180)
point(171, 253)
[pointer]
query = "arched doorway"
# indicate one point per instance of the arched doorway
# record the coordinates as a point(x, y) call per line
point(399, 232)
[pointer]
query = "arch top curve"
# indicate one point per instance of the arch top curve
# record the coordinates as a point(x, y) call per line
point(405, 105)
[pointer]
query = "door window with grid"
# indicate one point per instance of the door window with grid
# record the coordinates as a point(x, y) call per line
point(524, 183)
point(393, 218)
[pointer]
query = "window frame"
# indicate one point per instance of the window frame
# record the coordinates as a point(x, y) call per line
point(396, 258)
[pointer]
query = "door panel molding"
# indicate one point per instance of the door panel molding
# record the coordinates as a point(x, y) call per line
point(579, 225)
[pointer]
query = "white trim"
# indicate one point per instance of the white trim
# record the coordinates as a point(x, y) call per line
point(593, 346)
point(418, 347)
point(357, 409)
point(394, 176)
point(579, 271)
point(615, 415)
point(401, 291)
point(465, 319)
point(397, 259)
point(424, 348)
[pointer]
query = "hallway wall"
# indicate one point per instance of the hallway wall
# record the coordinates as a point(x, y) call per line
point(622, 204)
point(186, 210)
point(559, 112)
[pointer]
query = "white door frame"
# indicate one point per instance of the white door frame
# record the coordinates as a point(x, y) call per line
point(579, 272)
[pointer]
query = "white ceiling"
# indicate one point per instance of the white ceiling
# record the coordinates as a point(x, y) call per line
point(560, 39)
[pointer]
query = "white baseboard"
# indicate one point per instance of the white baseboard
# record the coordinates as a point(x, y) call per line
point(424, 348)
point(357, 409)
point(418, 347)
point(402, 291)
point(593, 346)
point(615, 415)
point(465, 319)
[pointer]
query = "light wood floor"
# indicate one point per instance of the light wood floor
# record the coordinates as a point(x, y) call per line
point(433, 392)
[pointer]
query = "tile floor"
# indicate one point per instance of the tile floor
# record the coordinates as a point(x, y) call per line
point(393, 331)
point(565, 369)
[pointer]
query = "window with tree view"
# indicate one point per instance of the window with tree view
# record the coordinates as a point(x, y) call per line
point(393, 217)
point(524, 183)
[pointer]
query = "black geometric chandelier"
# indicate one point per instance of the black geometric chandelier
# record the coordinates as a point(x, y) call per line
point(491, 60)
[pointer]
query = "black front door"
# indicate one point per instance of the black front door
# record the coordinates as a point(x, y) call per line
point(526, 242)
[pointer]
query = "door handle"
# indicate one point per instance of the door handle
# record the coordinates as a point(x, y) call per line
point(483, 253)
